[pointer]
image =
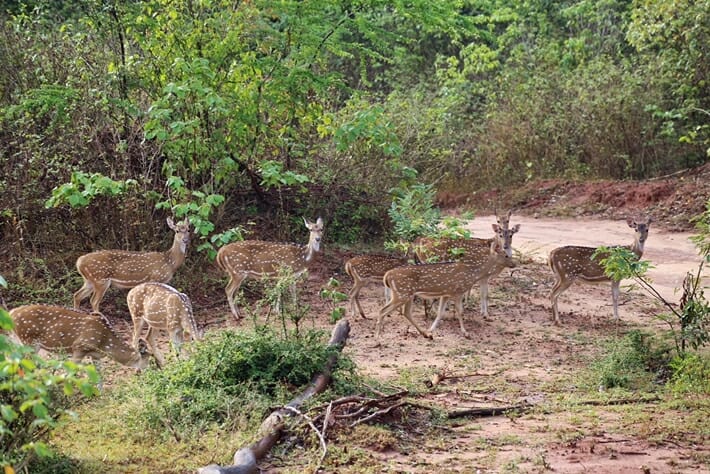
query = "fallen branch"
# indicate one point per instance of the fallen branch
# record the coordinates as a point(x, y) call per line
point(487, 411)
point(272, 427)
point(619, 401)
point(439, 377)
point(377, 414)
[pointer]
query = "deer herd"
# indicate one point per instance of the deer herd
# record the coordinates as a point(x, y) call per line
point(447, 270)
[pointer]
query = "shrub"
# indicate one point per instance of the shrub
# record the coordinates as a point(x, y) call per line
point(231, 380)
point(632, 362)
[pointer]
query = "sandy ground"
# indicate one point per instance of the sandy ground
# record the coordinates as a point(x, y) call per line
point(532, 360)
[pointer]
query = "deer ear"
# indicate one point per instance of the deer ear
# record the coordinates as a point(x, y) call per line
point(170, 222)
point(319, 222)
point(496, 227)
point(515, 228)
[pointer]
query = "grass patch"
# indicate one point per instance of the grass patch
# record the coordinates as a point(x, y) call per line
point(213, 402)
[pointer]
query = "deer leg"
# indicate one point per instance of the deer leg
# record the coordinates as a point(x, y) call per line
point(442, 302)
point(354, 301)
point(176, 338)
point(99, 292)
point(393, 304)
point(137, 328)
point(150, 338)
point(560, 285)
point(234, 283)
point(83, 293)
point(458, 305)
point(615, 298)
point(484, 298)
point(408, 315)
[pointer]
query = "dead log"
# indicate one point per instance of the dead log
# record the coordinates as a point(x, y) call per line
point(487, 411)
point(245, 459)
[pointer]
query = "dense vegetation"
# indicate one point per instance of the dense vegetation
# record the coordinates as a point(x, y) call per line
point(114, 114)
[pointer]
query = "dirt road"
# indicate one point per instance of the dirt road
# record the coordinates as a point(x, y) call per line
point(671, 253)
point(536, 361)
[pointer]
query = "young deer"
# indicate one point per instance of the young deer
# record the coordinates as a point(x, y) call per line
point(125, 269)
point(572, 263)
point(258, 259)
point(368, 268)
point(163, 308)
point(448, 280)
point(472, 251)
point(58, 329)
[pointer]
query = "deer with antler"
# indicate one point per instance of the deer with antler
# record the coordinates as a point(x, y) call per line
point(125, 269)
point(574, 263)
point(446, 281)
point(162, 307)
point(59, 329)
point(262, 259)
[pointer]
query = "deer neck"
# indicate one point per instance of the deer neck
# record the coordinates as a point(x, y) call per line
point(308, 253)
point(637, 247)
point(176, 253)
point(490, 268)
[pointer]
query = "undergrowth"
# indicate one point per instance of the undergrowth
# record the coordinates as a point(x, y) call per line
point(231, 380)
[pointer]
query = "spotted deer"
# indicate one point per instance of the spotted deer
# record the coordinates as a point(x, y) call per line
point(368, 268)
point(162, 307)
point(446, 281)
point(444, 249)
point(574, 263)
point(474, 251)
point(59, 329)
point(261, 259)
point(125, 269)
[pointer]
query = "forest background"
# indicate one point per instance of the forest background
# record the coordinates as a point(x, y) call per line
point(246, 115)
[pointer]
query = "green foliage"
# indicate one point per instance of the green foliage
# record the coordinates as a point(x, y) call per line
point(332, 294)
point(84, 188)
point(274, 176)
point(34, 396)
point(620, 262)
point(689, 324)
point(231, 378)
point(691, 375)
point(631, 362)
point(412, 211)
point(372, 126)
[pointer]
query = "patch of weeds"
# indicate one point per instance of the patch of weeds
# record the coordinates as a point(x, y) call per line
point(569, 436)
point(633, 362)
point(346, 456)
point(53, 464)
point(374, 437)
point(691, 375)
point(413, 379)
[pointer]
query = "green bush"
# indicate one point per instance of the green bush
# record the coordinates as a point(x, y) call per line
point(691, 375)
point(633, 362)
point(232, 379)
